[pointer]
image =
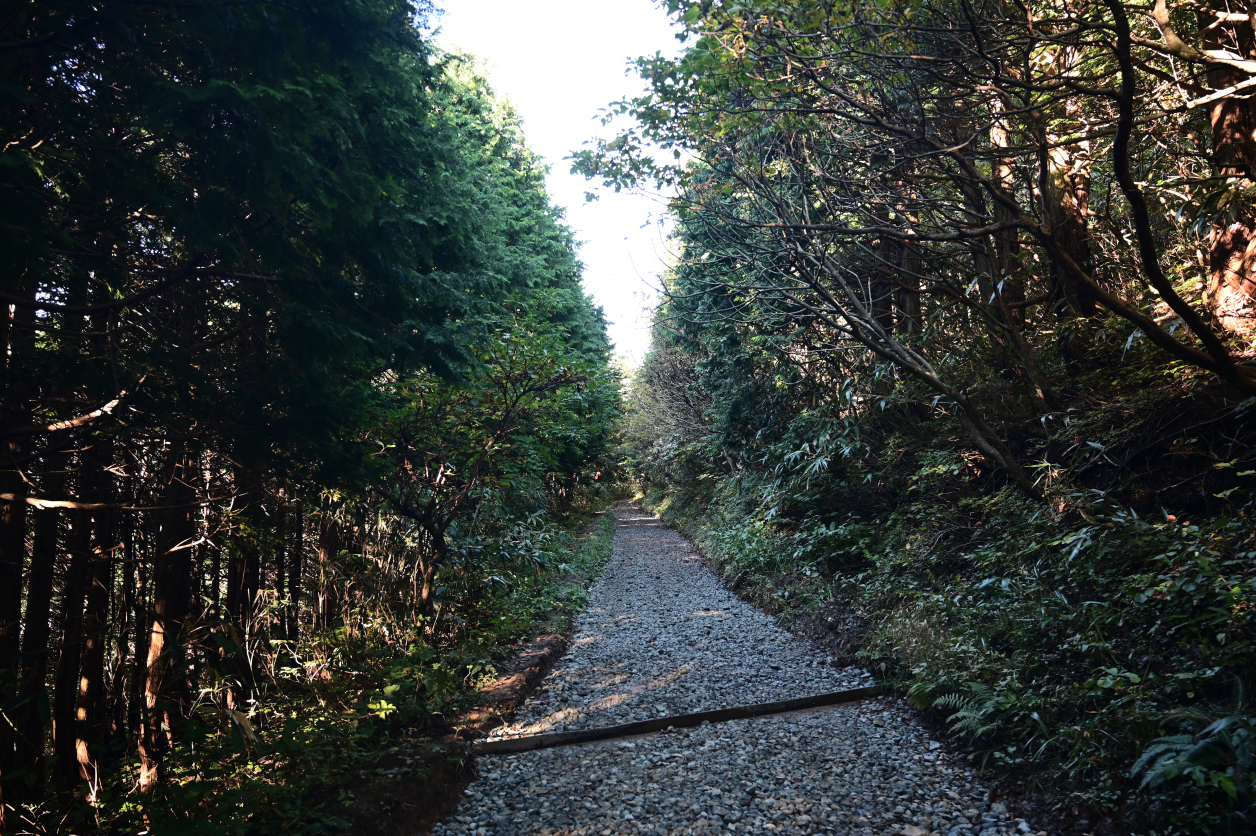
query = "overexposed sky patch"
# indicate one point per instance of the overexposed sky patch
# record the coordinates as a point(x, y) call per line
point(559, 62)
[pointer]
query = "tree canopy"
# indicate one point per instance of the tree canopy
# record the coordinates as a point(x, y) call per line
point(278, 281)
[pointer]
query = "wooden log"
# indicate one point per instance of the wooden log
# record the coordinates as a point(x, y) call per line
point(682, 721)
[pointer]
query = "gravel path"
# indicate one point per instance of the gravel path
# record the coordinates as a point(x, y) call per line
point(662, 636)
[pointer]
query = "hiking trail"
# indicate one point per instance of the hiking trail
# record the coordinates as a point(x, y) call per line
point(662, 636)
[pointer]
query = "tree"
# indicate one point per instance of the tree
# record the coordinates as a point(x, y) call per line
point(531, 406)
point(231, 234)
point(855, 161)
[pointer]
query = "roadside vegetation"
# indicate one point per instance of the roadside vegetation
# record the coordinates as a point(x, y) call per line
point(956, 360)
point(302, 404)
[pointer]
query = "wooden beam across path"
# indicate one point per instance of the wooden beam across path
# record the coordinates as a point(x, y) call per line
point(681, 721)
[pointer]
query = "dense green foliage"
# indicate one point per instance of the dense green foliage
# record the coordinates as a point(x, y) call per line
point(954, 367)
point(301, 400)
point(343, 741)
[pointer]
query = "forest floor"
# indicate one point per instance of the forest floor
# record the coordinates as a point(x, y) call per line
point(662, 636)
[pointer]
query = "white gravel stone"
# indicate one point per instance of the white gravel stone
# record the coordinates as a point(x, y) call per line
point(662, 636)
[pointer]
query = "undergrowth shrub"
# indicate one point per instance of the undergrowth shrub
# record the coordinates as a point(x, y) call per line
point(1098, 648)
point(343, 705)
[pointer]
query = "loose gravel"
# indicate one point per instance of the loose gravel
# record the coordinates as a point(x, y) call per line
point(661, 636)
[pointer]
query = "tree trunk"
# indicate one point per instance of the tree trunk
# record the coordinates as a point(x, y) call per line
point(882, 286)
point(66, 679)
point(1065, 191)
point(1230, 293)
point(279, 620)
point(1006, 245)
point(91, 697)
point(139, 621)
point(909, 284)
point(329, 548)
point(1006, 326)
point(17, 345)
point(243, 583)
point(235, 582)
point(31, 716)
point(165, 685)
point(118, 713)
point(215, 581)
point(292, 626)
point(12, 558)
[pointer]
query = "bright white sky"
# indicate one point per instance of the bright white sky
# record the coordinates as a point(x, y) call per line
point(559, 62)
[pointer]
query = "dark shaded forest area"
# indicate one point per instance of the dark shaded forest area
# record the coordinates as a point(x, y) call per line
point(956, 366)
point(301, 402)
